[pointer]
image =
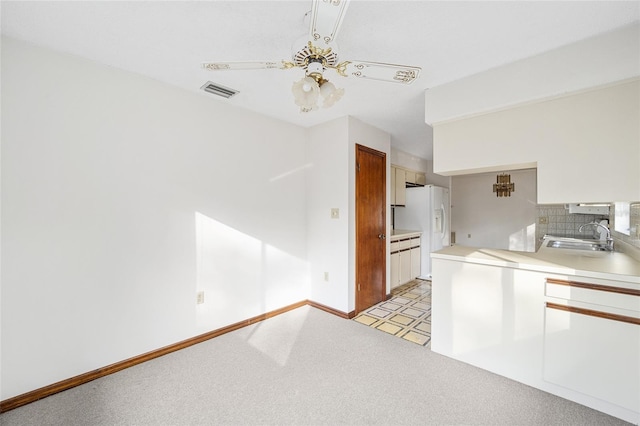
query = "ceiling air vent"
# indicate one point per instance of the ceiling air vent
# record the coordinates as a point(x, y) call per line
point(219, 90)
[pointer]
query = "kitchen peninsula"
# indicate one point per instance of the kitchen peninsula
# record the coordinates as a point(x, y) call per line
point(564, 321)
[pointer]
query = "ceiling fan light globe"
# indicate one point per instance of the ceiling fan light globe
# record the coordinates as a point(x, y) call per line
point(327, 88)
point(332, 98)
point(306, 93)
point(310, 85)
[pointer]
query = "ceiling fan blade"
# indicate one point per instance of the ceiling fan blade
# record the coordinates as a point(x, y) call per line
point(384, 72)
point(326, 18)
point(252, 65)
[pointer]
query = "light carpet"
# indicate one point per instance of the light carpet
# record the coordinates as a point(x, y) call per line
point(304, 367)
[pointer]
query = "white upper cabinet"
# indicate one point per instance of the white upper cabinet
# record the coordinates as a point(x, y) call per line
point(400, 188)
point(400, 179)
point(586, 146)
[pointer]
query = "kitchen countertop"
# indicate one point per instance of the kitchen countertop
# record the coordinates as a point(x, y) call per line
point(603, 265)
point(406, 233)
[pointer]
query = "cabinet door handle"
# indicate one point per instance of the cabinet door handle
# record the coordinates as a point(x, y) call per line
point(592, 313)
point(599, 287)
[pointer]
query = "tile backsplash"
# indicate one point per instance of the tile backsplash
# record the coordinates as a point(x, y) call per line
point(560, 223)
point(555, 219)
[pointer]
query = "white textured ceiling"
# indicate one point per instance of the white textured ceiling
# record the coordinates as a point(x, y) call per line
point(168, 41)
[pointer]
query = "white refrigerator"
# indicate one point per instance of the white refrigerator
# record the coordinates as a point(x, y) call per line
point(427, 210)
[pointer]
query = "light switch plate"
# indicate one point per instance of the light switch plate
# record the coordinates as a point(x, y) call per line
point(335, 213)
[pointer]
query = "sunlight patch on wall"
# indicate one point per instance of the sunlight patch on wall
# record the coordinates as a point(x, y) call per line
point(228, 271)
point(524, 239)
point(290, 172)
point(242, 276)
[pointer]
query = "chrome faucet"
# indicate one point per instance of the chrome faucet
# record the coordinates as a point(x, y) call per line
point(596, 224)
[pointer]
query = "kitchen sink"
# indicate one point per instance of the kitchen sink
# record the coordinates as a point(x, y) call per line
point(579, 245)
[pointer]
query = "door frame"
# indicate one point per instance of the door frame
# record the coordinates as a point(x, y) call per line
point(383, 265)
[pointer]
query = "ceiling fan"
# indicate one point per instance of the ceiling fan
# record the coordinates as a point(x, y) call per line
point(316, 53)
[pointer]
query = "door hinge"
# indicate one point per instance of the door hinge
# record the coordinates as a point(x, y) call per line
point(358, 166)
point(358, 287)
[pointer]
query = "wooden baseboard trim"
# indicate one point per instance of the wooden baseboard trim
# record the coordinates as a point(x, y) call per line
point(345, 315)
point(26, 398)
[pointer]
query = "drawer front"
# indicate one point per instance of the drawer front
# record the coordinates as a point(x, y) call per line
point(593, 354)
point(415, 242)
point(395, 246)
point(615, 296)
point(405, 244)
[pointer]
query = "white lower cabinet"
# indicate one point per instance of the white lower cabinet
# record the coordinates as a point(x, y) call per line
point(415, 261)
point(594, 348)
point(596, 356)
point(576, 337)
point(395, 269)
point(405, 266)
point(489, 316)
point(405, 260)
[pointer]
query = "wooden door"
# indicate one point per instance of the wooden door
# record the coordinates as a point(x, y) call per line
point(371, 167)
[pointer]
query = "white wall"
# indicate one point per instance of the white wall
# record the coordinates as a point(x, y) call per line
point(327, 238)
point(331, 242)
point(593, 62)
point(121, 198)
point(480, 219)
point(409, 161)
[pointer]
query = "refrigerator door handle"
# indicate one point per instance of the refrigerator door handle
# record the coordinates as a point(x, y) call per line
point(438, 220)
point(444, 221)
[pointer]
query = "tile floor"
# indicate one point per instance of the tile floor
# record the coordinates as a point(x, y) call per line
point(407, 314)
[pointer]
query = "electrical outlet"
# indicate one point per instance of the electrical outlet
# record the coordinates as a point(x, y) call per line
point(200, 298)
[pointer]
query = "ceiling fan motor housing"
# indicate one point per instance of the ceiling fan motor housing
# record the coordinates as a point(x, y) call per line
point(315, 68)
point(310, 53)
